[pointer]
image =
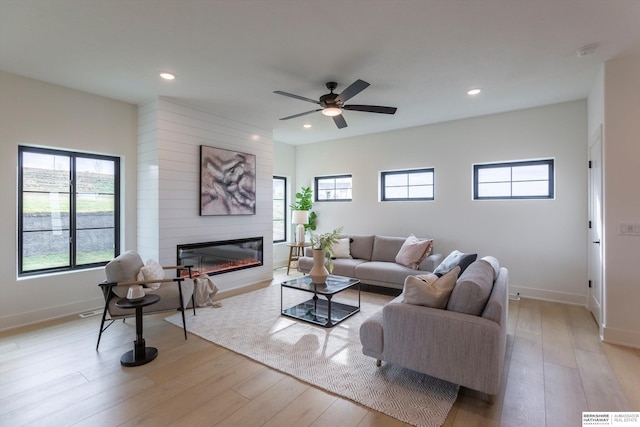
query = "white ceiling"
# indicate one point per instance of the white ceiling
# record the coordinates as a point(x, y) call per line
point(230, 55)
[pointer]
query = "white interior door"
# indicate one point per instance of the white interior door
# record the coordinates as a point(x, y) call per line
point(595, 301)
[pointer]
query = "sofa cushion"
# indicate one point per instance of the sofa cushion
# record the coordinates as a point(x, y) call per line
point(430, 290)
point(341, 249)
point(361, 246)
point(413, 251)
point(341, 266)
point(386, 248)
point(377, 272)
point(453, 259)
point(472, 290)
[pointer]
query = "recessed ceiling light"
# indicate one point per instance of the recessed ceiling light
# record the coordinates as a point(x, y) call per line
point(306, 125)
point(586, 50)
point(168, 76)
point(474, 91)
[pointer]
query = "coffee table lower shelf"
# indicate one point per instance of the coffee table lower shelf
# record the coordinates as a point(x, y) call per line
point(316, 311)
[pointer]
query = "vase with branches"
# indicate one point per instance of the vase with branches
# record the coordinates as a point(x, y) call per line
point(322, 244)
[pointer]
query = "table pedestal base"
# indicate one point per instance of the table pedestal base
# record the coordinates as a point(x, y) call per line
point(129, 358)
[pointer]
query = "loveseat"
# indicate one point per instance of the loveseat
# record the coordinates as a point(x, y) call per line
point(373, 261)
point(463, 343)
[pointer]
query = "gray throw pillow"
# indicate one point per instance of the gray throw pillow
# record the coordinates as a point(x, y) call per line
point(455, 258)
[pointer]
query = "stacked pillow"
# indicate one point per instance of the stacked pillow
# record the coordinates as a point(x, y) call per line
point(413, 252)
point(151, 271)
point(430, 290)
point(342, 248)
point(455, 258)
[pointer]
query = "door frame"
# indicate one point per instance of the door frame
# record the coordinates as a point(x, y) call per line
point(595, 303)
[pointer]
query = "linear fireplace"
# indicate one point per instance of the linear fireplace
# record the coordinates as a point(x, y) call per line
point(222, 256)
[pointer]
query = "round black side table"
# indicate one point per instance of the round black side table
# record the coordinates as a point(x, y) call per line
point(140, 354)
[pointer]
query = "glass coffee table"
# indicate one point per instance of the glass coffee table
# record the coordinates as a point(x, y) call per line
point(321, 311)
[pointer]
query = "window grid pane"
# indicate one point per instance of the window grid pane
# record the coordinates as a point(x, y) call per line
point(515, 180)
point(279, 209)
point(407, 185)
point(69, 210)
point(338, 188)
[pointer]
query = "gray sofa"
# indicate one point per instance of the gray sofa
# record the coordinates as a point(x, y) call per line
point(373, 261)
point(451, 344)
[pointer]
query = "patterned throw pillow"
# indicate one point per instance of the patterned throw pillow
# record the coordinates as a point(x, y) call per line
point(151, 271)
point(455, 258)
point(413, 251)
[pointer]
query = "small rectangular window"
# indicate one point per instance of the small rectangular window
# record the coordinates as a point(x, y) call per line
point(413, 184)
point(333, 188)
point(279, 209)
point(514, 180)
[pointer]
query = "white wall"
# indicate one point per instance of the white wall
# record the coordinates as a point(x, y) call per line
point(170, 136)
point(541, 242)
point(621, 200)
point(41, 114)
point(284, 164)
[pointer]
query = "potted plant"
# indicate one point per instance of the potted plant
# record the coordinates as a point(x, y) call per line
point(322, 245)
point(302, 214)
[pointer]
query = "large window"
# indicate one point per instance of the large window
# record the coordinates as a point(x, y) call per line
point(69, 210)
point(279, 209)
point(333, 188)
point(514, 180)
point(414, 184)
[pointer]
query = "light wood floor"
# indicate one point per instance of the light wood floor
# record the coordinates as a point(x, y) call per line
point(51, 375)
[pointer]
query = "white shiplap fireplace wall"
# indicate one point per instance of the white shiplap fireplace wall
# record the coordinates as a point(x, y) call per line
point(169, 138)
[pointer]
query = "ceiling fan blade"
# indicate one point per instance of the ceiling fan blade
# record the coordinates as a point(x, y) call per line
point(340, 121)
point(352, 90)
point(300, 114)
point(371, 109)
point(290, 95)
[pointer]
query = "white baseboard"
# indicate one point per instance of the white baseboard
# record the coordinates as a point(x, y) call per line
point(547, 295)
point(621, 337)
point(51, 313)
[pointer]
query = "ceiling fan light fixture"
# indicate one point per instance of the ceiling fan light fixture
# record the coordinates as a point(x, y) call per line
point(332, 111)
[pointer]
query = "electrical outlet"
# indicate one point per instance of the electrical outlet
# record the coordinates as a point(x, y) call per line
point(629, 229)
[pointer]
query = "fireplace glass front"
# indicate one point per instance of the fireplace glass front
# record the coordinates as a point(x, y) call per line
point(222, 256)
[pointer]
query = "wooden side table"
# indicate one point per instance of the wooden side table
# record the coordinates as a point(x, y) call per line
point(296, 250)
point(140, 354)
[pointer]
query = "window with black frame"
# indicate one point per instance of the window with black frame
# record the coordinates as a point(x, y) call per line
point(68, 210)
point(531, 179)
point(335, 188)
point(279, 209)
point(404, 185)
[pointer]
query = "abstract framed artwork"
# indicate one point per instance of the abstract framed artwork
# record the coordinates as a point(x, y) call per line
point(227, 182)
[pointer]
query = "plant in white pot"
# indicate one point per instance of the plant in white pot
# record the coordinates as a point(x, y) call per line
point(302, 215)
point(322, 245)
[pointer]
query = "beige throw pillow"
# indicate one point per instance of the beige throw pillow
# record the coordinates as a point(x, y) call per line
point(430, 290)
point(341, 248)
point(413, 251)
point(151, 271)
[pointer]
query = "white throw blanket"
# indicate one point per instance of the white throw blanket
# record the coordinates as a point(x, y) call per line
point(204, 290)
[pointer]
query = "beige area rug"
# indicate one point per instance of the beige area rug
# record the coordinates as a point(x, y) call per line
point(331, 359)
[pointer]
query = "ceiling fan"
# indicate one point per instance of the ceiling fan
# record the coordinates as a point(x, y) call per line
point(332, 103)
